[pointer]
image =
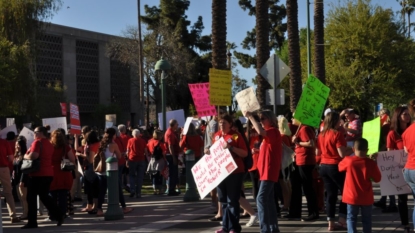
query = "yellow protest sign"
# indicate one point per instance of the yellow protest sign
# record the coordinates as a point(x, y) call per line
point(220, 87)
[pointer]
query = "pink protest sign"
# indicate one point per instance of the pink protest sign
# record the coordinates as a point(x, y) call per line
point(200, 95)
point(212, 169)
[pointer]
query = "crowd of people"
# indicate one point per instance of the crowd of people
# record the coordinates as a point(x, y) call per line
point(283, 158)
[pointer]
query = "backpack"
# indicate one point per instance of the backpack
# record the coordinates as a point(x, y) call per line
point(158, 152)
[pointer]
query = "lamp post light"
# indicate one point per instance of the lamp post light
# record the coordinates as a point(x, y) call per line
point(163, 65)
point(308, 39)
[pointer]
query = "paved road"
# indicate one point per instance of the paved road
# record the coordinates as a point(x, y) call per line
point(171, 214)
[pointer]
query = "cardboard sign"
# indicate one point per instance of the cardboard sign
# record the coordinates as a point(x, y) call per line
point(312, 101)
point(200, 96)
point(220, 87)
point(63, 109)
point(212, 169)
point(55, 123)
point(29, 135)
point(176, 114)
point(371, 132)
point(111, 118)
point(9, 121)
point(390, 164)
point(247, 100)
point(75, 121)
point(3, 132)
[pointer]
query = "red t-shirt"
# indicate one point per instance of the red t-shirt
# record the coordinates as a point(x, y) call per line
point(5, 151)
point(170, 138)
point(358, 185)
point(394, 141)
point(408, 138)
point(234, 139)
point(305, 155)
point(62, 180)
point(13, 147)
point(153, 143)
point(124, 141)
point(45, 152)
point(328, 143)
point(254, 140)
point(270, 156)
point(136, 147)
point(194, 143)
point(121, 146)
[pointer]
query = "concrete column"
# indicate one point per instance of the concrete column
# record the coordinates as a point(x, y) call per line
point(69, 67)
point(104, 75)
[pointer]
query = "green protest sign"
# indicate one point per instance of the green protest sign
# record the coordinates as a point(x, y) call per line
point(371, 132)
point(312, 102)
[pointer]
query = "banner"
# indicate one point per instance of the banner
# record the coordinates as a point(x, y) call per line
point(3, 132)
point(212, 169)
point(247, 100)
point(55, 123)
point(312, 101)
point(63, 109)
point(9, 121)
point(74, 119)
point(178, 115)
point(390, 164)
point(200, 96)
point(29, 135)
point(371, 132)
point(220, 87)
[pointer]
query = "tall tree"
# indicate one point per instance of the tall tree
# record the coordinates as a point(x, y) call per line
point(219, 34)
point(294, 53)
point(319, 62)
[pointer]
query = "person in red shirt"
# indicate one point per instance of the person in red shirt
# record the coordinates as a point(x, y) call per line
point(302, 176)
point(136, 151)
point(173, 149)
point(408, 141)
point(269, 165)
point(255, 141)
point(332, 147)
point(285, 183)
point(39, 182)
point(157, 166)
point(122, 140)
point(192, 141)
point(358, 191)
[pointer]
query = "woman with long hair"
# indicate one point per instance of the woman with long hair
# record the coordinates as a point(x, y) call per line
point(19, 179)
point(332, 147)
point(62, 180)
point(192, 141)
point(285, 182)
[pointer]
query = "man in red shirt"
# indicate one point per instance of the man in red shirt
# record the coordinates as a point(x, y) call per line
point(173, 149)
point(136, 150)
point(6, 154)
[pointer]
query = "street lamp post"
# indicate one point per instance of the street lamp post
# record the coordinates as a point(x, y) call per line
point(308, 39)
point(163, 65)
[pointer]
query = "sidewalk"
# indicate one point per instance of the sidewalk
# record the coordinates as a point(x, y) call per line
point(170, 214)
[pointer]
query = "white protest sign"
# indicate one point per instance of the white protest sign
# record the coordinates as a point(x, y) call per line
point(247, 100)
point(108, 124)
point(212, 169)
point(27, 125)
point(29, 135)
point(176, 114)
point(189, 120)
point(55, 123)
point(243, 120)
point(9, 121)
point(390, 164)
point(3, 132)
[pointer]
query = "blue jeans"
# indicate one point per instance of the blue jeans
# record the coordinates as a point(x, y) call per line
point(352, 211)
point(173, 174)
point(136, 176)
point(333, 181)
point(267, 210)
point(409, 176)
point(229, 192)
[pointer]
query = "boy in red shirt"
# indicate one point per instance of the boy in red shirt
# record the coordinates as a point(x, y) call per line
point(358, 191)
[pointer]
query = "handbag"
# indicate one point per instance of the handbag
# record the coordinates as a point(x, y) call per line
point(29, 165)
point(66, 164)
point(99, 162)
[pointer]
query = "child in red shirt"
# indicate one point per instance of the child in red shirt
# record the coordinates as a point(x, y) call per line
point(358, 191)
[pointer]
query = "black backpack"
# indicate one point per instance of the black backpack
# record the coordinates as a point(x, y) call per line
point(158, 152)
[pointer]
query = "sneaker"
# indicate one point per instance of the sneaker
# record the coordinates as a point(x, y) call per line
point(14, 220)
point(220, 231)
point(310, 217)
point(173, 194)
point(290, 216)
point(178, 190)
point(221, 223)
point(379, 204)
point(390, 209)
point(252, 221)
point(27, 226)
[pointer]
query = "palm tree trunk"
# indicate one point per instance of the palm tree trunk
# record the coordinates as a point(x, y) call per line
point(262, 47)
point(294, 53)
point(409, 22)
point(319, 63)
point(219, 34)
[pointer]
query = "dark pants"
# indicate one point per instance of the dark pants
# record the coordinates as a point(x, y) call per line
point(403, 208)
point(392, 200)
point(120, 186)
point(302, 176)
point(255, 183)
point(229, 192)
point(278, 196)
point(267, 212)
point(333, 182)
point(173, 174)
point(102, 182)
point(91, 190)
point(156, 179)
point(39, 185)
point(61, 198)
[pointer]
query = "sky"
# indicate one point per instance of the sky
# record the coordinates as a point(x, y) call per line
point(113, 16)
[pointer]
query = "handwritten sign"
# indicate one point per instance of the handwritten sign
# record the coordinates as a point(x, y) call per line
point(312, 101)
point(29, 135)
point(75, 121)
point(220, 87)
point(55, 123)
point(371, 132)
point(200, 95)
point(212, 169)
point(3, 132)
point(247, 100)
point(390, 164)
point(9, 121)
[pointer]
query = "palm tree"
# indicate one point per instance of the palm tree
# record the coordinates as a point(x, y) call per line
point(294, 53)
point(219, 34)
point(319, 63)
point(262, 46)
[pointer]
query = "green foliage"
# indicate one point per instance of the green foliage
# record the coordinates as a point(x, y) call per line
point(192, 110)
point(48, 99)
